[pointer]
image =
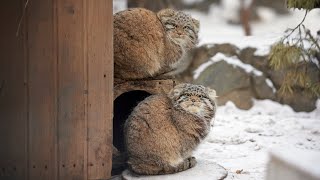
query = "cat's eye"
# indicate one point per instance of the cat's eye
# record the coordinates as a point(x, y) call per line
point(189, 29)
point(170, 26)
point(203, 96)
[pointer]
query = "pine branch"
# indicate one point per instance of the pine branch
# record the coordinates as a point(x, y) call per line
point(313, 40)
point(298, 26)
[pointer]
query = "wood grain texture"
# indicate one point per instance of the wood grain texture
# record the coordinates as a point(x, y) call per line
point(13, 94)
point(100, 89)
point(85, 67)
point(42, 74)
point(56, 80)
point(72, 90)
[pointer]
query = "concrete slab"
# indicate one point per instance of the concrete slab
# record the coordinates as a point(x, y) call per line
point(204, 170)
point(294, 164)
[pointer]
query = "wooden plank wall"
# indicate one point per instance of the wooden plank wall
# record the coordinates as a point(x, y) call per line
point(41, 55)
point(13, 94)
point(56, 80)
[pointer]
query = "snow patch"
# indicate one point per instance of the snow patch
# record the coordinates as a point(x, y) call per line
point(270, 84)
point(119, 5)
point(233, 60)
point(241, 139)
point(316, 62)
point(215, 29)
point(192, 1)
point(266, 14)
point(201, 68)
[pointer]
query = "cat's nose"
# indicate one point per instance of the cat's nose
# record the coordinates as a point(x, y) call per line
point(193, 100)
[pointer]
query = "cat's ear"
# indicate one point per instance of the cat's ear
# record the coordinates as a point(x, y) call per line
point(176, 91)
point(212, 93)
point(196, 24)
point(164, 14)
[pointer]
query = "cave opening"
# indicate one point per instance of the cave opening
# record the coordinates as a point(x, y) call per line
point(122, 108)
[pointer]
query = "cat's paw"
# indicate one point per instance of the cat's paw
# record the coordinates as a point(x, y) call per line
point(192, 162)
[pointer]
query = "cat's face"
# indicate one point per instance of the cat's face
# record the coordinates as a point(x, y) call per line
point(194, 99)
point(181, 28)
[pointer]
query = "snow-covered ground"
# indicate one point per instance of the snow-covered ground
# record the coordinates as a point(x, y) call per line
point(240, 140)
point(215, 29)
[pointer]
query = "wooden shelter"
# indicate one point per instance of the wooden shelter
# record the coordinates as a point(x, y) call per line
point(127, 95)
point(56, 80)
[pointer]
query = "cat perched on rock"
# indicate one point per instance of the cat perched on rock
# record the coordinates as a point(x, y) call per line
point(163, 130)
point(148, 44)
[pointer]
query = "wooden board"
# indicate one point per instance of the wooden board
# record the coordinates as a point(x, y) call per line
point(150, 86)
point(13, 94)
point(56, 80)
point(42, 90)
point(72, 90)
point(100, 84)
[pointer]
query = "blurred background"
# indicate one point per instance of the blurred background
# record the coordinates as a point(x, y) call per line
point(235, 50)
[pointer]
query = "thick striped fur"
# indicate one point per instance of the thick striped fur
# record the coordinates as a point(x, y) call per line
point(148, 44)
point(163, 130)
